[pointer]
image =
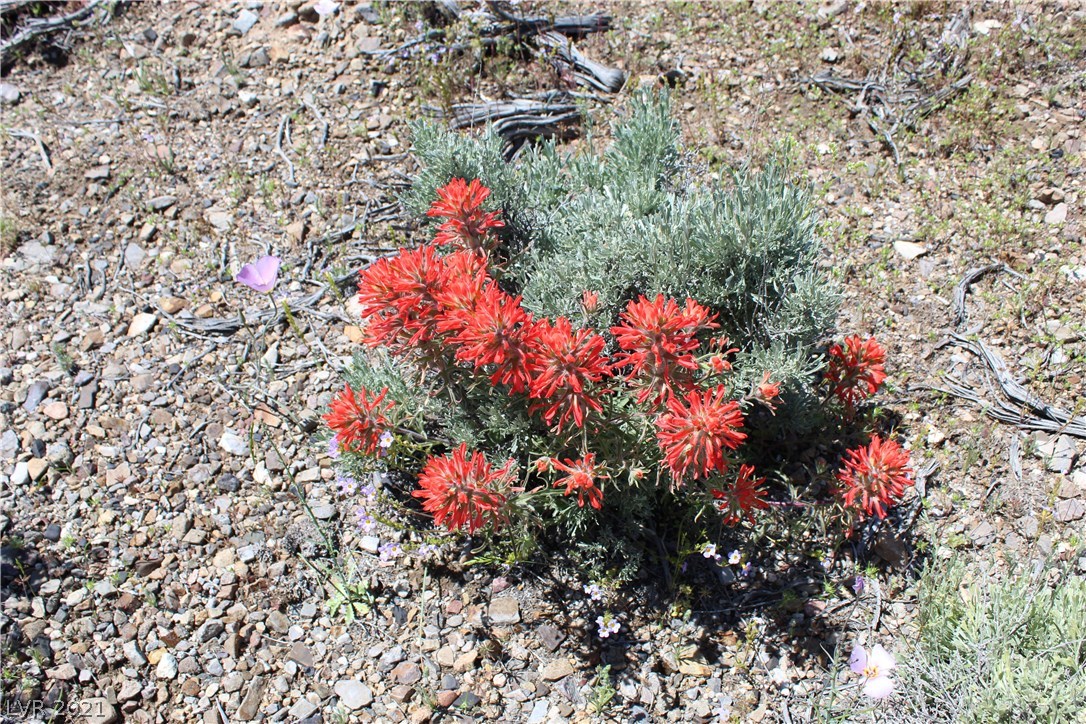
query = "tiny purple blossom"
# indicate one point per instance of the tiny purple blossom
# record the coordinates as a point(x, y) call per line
point(384, 443)
point(748, 570)
point(333, 447)
point(364, 519)
point(858, 585)
point(261, 275)
point(734, 558)
point(347, 484)
point(390, 551)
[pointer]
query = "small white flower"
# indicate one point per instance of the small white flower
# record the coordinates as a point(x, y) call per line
point(325, 7)
point(594, 591)
point(709, 551)
point(607, 625)
point(734, 558)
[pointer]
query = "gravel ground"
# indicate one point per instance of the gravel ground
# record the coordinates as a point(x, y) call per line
point(156, 560)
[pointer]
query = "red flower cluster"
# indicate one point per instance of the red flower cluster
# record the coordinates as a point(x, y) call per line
point(581, 476)
point(874, 477)
point(494, 334)
point(741, 497)
point(407, 299)
point(855, 370)
point(462, 492)
point(693, 434)
point(657, 340)
point(357, 420)
point(566, 367)
point(466, 225)
point(446, 309)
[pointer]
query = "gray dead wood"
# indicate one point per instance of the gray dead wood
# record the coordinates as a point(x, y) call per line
point(1019, 407)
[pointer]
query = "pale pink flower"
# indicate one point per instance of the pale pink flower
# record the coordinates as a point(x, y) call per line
point(325, 7)
point(875, 669)
point(261, 275)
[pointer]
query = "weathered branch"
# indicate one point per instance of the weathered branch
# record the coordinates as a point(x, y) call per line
point(35, 28)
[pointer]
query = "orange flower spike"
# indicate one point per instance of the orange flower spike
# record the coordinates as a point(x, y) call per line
point(855, 370)
point(694, 433)
point(874, 477)
point(357, 420)
point(465, 492)
point(741, 498)
point(581, 476)
point(466, 225)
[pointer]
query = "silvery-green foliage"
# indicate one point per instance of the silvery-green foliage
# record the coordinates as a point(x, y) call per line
point(629, 220)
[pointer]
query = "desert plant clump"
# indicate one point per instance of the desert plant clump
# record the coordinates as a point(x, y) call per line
point(997, 647)
point(594, 343)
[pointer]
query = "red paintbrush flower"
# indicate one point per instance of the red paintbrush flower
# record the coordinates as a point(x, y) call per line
point(357, 420)
point(657, 338)
point(742, 497)
point(398, 296)
point(466, 224)
point(874, 477)
point(855, 371)
point(462, 492)
point(566, 367)
point(581, 476)
point(497, 332)
point(463, 279)
point(767, 389)
point(693, 435)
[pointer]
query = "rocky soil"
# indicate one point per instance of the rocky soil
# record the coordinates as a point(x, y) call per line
point(157, 560)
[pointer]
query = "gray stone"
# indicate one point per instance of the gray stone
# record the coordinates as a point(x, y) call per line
point(161, 203)
point(35, 394)
point(353, 694)
point(9, 94)
point(134, 255)
point(551, 637)
point(132, 652)
point(390, 658)
point(301, 655)
point(97, 710)
point(278, 622)
point(407, 673)
point(504, 611)
point(250, 705)
point(21, 475)
point(245, 21)
point(467, 700)
point(557, 669)
point(232, 682)
point(1069, 510)
point(539, 712)
point(9, 445)
point(303, 709)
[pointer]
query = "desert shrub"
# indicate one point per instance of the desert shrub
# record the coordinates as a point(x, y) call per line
point(997, 648)
point(597, 344)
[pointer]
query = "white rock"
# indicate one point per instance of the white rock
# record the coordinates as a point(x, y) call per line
point(1057, 215)
point(353, 694)
point(233, 443)
point(167, 667)
point(141, 324)
point(909, 250)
